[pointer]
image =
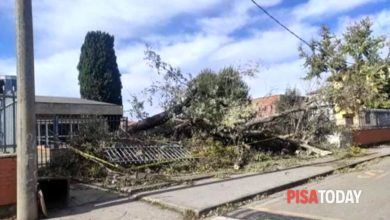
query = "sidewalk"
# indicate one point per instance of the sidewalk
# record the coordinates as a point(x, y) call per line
point(93, 203)
point(207, 195)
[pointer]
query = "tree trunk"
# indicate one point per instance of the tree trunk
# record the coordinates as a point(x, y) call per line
point(157, 119)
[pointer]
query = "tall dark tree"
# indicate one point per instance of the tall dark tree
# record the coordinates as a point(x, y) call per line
point(99, 76)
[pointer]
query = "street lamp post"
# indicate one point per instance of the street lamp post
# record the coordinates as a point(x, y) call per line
point(25, 119)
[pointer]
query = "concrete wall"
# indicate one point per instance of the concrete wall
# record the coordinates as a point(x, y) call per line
point(7, 179)
point(76, 109)
point(371, 136)
point(341, 121)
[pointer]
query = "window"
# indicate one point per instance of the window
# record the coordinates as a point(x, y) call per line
point(63, 129)
point(50, 129)
point(368, 118)
point(75, 128)
point(348, 120)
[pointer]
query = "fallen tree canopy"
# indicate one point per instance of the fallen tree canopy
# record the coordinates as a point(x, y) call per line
point(217, 105)
point(253, 131)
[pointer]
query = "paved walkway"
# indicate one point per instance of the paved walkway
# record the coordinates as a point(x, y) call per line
point(209, 195)
point(204, 195)
point(374, 203)
point(96, 204)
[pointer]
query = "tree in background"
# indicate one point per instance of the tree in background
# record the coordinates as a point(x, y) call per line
point(291, 99)
point(356, 71)
point(99, 76)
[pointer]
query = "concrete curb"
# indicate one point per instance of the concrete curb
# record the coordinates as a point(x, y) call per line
point(198, 212)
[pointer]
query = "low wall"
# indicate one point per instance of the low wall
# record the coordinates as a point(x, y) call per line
point(371, 136)
point(7, 182)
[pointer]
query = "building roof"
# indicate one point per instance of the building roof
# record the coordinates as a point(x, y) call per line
point(53, 105)
point(68, 100)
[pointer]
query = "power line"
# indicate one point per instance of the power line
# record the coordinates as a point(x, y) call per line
point(286, 28)
point(282, 25)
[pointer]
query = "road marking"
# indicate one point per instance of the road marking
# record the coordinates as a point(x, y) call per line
point(292, 214)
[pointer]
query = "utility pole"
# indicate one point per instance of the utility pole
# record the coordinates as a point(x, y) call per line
point(25, 119)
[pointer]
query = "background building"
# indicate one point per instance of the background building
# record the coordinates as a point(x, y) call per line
point(57, 117)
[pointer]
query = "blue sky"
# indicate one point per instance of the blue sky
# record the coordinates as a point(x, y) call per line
point(192, 35)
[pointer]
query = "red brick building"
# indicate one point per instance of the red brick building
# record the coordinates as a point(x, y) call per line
point(7, 183)
point(266, 106)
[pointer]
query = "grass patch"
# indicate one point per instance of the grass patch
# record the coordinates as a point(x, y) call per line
point(359, 167)
point(263, 162)
point(232, 206)
point(189, 215)
point(349, 152)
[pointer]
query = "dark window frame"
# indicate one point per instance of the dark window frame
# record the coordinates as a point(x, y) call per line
point(367, 117)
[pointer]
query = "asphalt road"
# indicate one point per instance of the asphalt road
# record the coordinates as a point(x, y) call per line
point(374, 203)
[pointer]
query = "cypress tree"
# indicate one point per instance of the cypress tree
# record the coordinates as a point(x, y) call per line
point(99, 76)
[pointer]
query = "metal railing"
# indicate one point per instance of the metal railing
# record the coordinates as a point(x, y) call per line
point(7, 122)
point(54, 134)
point(374, 118)
point(143, 154)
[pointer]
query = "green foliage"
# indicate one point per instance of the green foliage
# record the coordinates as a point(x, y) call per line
point(220, 100)
point(99, 76)
point(355, 151)
point(213, 155)
point(91, 136)
point(90, 139)
point(261, 156)
point(357, 75)
point(290, 100)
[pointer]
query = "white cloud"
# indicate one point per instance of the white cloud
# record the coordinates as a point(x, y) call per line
point(60, 27)
point(276, 78)
point(63, 24)
point(57, 74)
point(321, 8)
point(232, 20)
point(7, 66)
point(272, 46)
point(189, 53)
point(381, 23)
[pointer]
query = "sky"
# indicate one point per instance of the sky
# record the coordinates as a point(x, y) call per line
point(192, 35)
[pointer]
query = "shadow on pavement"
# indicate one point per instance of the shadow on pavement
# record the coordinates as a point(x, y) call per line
point(83, 198)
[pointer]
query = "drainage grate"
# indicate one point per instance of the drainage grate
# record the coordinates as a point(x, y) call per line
point(145, 154)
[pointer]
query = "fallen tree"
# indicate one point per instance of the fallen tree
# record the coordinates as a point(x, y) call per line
point(157, 119)
point(217, 105)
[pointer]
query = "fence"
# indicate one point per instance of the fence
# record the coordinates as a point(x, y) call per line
point(54, 134)
point(374, 118)
point(7, 122)
point(141, 154)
